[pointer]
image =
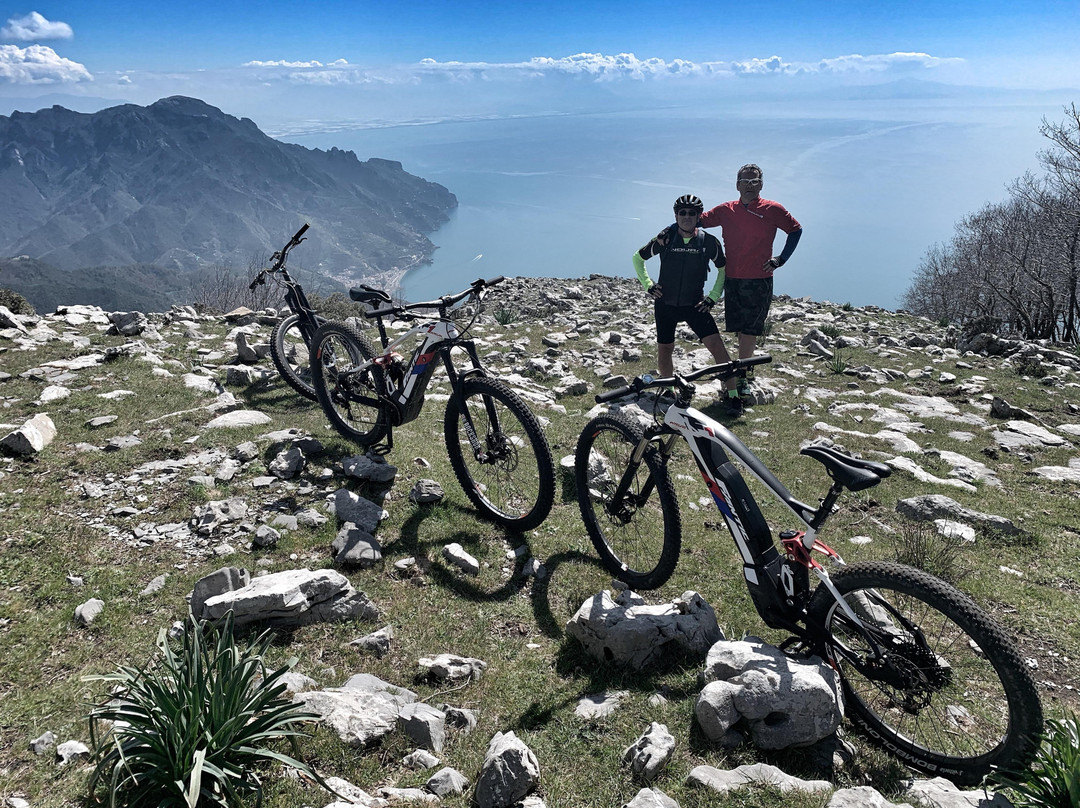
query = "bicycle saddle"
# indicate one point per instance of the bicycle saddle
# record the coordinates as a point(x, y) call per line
point(851, 472)
point(366, 294)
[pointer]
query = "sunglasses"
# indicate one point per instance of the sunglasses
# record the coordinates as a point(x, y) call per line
point(746, 181)
point(688, 213)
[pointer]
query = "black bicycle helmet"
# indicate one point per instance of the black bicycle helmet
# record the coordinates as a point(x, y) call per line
point(688, 201)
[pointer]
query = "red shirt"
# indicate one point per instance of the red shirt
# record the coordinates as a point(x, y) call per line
point(749, 231)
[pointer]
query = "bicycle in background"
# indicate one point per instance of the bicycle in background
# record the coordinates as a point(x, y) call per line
point(291, 337)
point(495, 444)
point(926, 673)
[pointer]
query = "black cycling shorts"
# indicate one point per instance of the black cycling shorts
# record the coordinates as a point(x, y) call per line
point(668, 317)
point(746, 304)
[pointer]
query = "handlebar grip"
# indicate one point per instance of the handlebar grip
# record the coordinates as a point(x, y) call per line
point(611, 395)
point(495, 280)
point(750, 361)
point(300, 232)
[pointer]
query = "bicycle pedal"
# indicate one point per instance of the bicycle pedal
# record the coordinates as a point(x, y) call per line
point(796, 648)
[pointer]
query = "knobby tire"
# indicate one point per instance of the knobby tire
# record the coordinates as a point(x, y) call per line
point(291, 353)
point(514, 485)
point(638, 542)
point(337, 348)
point(956, 701)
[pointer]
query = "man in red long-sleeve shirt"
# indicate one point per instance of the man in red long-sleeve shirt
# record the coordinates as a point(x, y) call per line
point(749, 228)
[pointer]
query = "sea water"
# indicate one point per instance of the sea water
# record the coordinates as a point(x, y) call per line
point(563, 196)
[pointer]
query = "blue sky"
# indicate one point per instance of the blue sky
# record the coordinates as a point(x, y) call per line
point(136, 49)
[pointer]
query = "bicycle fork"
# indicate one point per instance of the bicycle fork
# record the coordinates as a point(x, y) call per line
point(457, 384)
point(622, 493)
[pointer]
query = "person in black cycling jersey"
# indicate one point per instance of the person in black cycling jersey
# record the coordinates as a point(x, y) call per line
point(685, 251)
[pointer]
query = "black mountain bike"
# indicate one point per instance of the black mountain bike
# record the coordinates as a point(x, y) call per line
point(292, 335)
point(496, 445)
point(926, 673)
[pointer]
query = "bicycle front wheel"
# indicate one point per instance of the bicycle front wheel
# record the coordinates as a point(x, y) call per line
point(290, 353)
point(638, 534)
point(350, 398)
point(950, 695)
point(510, 478)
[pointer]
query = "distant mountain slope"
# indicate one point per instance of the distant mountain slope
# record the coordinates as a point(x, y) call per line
point(180, 185)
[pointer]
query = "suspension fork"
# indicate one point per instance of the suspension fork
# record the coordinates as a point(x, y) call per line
point(457, 385)
point(666, 445)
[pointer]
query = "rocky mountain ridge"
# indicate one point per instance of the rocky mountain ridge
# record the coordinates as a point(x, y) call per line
point(917, 395)
point(179, 185)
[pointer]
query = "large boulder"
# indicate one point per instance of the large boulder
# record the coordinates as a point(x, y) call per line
point(509, 772)
point(30, 438)
point(292, 598)
point(639, 635)
point(361, 711)
point(779, 700)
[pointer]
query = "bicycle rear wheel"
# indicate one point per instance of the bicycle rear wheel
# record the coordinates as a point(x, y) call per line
point(951, 696)
point(290, 353)
point(511, 480)
point(350, 398)
point(638, 536)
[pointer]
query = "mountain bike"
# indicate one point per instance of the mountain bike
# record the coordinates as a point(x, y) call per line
point(496, 445)
point(291, 336)
point(926, 673)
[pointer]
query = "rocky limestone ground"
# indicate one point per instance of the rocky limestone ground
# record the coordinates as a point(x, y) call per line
point(163, 447)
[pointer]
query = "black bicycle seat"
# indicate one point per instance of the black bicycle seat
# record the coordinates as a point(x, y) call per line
point(851, 472)
point(365, 294)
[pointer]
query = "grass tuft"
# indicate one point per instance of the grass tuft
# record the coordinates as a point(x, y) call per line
point(193, 727)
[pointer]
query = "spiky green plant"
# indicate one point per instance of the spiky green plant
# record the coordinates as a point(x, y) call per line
point(848, 307)
point(837, 364)
point(505, 316)
point(192, 727)
point(830, 331)
point(1053, 779)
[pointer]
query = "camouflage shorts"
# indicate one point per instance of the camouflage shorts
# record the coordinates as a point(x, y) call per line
point(746, 304)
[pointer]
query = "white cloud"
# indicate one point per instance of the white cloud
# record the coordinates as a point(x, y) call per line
point(886, 61)
point(285, 63)
point(38, 64)
point(35, 27)
point(596, 67)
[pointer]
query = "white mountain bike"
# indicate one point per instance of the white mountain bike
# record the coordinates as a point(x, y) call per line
point(926, 673)
point(496, 445)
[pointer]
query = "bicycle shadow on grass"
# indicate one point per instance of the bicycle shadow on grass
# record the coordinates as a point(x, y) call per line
point(442, 573)
point(274, 397)
point(674, 677)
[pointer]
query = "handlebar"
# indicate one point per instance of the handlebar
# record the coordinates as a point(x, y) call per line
point(725, 370)
point(444, 302)
point(277, 260)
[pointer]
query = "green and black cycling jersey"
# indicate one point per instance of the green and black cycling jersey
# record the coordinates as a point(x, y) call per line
point(684, 265)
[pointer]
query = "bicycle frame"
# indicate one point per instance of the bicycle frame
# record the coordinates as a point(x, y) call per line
point(405, 387)
point(779, 585)
point(405, 394)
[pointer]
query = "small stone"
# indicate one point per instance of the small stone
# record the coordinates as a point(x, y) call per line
point(419, 760)
point(86, 613)
point(43, 743)
point(456, 555)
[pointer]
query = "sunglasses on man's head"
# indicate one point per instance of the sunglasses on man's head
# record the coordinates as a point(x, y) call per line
point(688, 213)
